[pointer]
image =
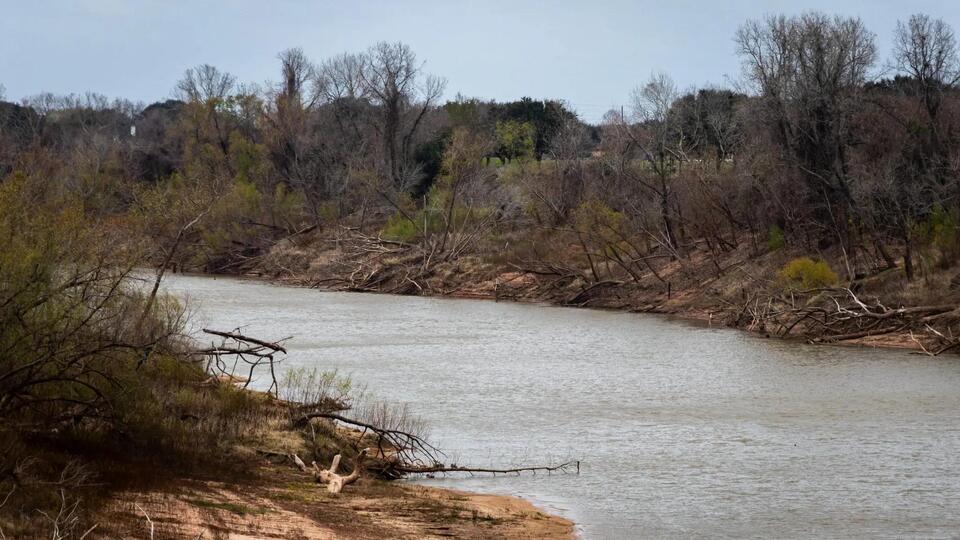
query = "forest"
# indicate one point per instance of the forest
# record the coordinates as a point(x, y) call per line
point(817, 198)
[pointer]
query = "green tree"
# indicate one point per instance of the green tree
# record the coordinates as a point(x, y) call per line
point(515, 140)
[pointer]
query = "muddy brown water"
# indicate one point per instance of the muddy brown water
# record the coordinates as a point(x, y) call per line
point(681, 430)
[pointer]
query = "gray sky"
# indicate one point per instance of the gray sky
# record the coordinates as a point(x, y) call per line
point(590, 54)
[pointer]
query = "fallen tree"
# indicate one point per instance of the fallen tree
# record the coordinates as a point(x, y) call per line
point(242, 350)
point(834, 315)
point(383, 447)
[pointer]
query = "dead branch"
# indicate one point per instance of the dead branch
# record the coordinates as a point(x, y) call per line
point(166, 262)
point(275, 346)
point(406, 445)
point(252, 352)
point(838, 314)
point(577, 298)
point(563, 467)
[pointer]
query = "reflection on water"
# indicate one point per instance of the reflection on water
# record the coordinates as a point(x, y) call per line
point(682, 430)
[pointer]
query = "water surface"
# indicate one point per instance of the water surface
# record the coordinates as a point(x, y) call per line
point(682, 430)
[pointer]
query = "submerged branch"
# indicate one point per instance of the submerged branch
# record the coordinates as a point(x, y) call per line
point(563, 467)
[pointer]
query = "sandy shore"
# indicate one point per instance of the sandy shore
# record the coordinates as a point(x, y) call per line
point(276, 501)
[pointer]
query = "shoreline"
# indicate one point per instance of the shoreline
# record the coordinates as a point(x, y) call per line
point(272, 500)
point(699, 317)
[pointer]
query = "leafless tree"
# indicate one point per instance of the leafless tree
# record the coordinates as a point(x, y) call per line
point(560, 184)
point(926, 59)
point(654, 139)
point(809, 72)
point(296, 145)
point(340, 83)
point(298, 74)
point(925, 49)
point(341, 77)
point(395, 82)
point(463, 172)
point(204, 83)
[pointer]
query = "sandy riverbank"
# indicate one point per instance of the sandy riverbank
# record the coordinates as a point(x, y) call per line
point(275, 501)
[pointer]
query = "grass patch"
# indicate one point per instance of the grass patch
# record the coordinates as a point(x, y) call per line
point(238, 509)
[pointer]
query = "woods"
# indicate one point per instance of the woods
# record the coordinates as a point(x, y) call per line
point(850, 155)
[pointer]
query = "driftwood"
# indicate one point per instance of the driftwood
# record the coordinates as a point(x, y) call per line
point(577, 299)
point(563, 467)
point(377, 264)
point(832, 315)
point(331, 477)
point(399, 453)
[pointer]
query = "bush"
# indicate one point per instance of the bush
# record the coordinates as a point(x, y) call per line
point(775, 238)
point(400, 229)
point(806, 273)
point(939, 230)
point(84, 350)
point(315, 388)
point(90, 365)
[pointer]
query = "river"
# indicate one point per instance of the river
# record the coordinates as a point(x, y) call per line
point(682, 430)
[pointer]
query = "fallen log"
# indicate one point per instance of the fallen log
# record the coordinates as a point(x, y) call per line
point(857, 335)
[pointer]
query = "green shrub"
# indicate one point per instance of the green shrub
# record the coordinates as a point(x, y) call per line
point(432, 218)
point(775, 238)
point(939, 230)
point(400, 229)
point(806, 273)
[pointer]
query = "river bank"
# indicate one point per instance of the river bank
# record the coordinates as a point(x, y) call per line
point(252, 488)
point(738, 288)
point(271, 500)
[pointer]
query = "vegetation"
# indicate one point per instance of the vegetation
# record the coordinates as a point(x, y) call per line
point(808, 274)
point(823, 202)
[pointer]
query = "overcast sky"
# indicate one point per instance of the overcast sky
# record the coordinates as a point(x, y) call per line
point(590, 54)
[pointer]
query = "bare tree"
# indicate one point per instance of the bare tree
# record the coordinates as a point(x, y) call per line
point(463, 170)
point(809, 71)
point(392, 79)
point(206, 89)
point(341, 77)
point(656, 140)
point(298, 73)
point(204, 83)
point(925, 49)
point(925, 53)
point(296, 146)
point(340, 84)
point(565, 189)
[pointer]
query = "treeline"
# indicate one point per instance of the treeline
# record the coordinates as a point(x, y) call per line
point(827, 146)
